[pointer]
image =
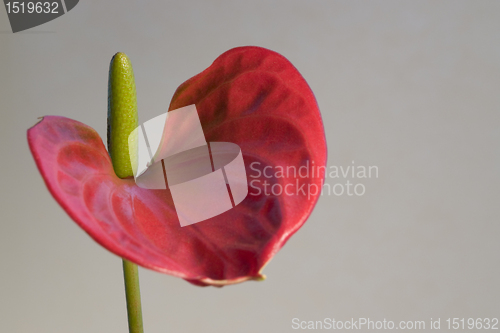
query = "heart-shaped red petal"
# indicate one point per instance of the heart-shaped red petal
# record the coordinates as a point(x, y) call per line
point(249, 96)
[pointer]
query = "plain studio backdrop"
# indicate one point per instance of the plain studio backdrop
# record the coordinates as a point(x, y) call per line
point(409, 87)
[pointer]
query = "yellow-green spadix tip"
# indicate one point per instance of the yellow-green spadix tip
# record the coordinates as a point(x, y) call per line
point(122, 113)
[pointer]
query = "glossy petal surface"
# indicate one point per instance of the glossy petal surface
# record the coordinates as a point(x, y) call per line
point(250, 96)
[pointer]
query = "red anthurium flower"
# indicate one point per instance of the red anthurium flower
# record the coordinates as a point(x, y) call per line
point(249, 96)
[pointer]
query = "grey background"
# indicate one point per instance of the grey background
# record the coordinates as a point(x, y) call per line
point(411, 87)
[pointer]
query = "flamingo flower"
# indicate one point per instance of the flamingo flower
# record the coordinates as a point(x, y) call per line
point(249, 96)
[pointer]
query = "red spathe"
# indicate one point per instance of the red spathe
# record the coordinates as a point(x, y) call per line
point(250, 96)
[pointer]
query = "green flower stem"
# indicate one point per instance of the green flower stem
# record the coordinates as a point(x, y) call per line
point(122, 120)
point(133, 295)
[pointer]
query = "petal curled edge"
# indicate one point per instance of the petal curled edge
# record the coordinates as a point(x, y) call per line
point(250, 96)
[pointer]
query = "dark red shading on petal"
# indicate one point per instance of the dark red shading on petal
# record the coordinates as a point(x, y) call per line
point(250, 96)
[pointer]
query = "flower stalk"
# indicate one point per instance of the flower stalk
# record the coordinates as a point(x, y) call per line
point(122, 120)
